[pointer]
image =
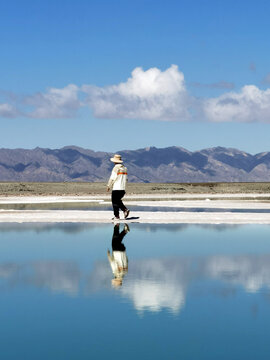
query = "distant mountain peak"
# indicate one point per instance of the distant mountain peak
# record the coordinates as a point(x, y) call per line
point(150, 164)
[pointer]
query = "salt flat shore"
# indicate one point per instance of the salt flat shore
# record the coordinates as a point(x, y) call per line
point(61, 216)
point(223, 203)
point(106, 197)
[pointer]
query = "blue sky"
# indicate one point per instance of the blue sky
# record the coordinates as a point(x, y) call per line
point(192, 73)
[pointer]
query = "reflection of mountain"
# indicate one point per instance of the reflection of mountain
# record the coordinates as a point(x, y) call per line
point(67, 228)
point(181, 227)
point(73, 228)
point(151, 284)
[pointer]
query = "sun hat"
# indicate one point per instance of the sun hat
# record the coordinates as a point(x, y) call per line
point(116, 282)
point(117, 159)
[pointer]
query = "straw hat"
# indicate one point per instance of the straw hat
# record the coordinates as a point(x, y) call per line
point(117, 282)
point(117, 159)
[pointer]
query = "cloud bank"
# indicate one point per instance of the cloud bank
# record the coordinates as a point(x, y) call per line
point(249, 105)
point(150, 94)
point(55, 103)
point(8, 111)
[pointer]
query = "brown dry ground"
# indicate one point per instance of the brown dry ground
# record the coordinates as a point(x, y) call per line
point(80, 188)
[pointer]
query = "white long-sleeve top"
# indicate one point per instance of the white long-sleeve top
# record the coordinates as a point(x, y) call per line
point(118, 178)
point(119, 263)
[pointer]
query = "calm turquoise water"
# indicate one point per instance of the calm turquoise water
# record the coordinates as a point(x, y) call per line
point(188, 292)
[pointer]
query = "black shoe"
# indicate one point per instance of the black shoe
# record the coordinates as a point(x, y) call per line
point(126, 213)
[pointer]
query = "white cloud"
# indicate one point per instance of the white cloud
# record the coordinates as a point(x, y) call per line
point(152, 94)
point(248, 105)
point(8, 111)
point(55, 104)
point(147, 95)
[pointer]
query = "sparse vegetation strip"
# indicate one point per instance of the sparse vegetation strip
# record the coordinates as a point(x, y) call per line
point(96, 188)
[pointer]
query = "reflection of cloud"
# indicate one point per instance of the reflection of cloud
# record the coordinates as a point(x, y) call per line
point(151, 284)
point(155, 295)
point(251, 272)
point(57, 276)
point(100, 278)
point(7, 270)
point(157, 284)
point(161, 283)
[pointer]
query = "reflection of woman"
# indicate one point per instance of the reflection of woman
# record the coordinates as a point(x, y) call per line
point(118, 260)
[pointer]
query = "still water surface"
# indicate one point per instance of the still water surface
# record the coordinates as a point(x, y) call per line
point(77, 291)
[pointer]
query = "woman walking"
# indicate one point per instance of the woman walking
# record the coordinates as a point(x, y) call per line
point(117, 183)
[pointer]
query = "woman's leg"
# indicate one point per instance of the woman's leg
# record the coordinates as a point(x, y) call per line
point(117, 203)
point(121, 205)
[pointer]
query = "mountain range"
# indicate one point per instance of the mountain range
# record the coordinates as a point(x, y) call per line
point(172, 164)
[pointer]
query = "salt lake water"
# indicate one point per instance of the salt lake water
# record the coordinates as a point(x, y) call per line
point(181, 291)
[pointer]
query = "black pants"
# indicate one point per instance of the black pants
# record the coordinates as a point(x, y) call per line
point(117, 239)
point(117, 203)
